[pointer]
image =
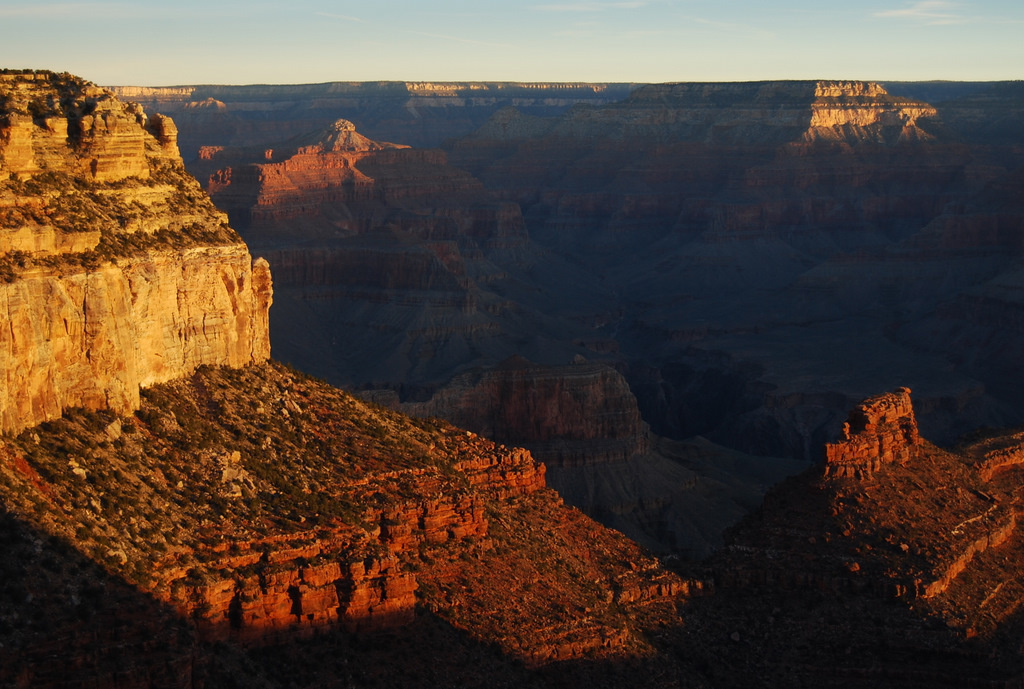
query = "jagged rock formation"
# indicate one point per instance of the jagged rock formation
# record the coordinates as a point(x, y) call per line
point(881, 430)
point(109, 140)
point(118, 272)
point(324, 179)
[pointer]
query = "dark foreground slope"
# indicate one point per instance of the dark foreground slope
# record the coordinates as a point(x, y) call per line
point(244, 508)
point(255, 527)
point(896, 564)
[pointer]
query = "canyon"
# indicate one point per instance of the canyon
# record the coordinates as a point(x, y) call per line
point(192, 514)
point(173, 502)
point(737, 264)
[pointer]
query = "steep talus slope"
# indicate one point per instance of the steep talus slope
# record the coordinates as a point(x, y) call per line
point(118, 272)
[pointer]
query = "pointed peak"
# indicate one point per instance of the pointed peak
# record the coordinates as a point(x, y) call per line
point(341, 136)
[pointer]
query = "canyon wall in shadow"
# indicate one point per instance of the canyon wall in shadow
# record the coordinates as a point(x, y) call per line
point(746, 260)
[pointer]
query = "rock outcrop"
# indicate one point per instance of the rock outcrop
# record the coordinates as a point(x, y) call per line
point(325, 179)
point(881, 430)
point(118, 271)
point(918, 557)
point(93, 339)
point(752, 114)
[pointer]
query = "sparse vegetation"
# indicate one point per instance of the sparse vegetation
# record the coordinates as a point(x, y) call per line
point(286, 473)
point(164, 210)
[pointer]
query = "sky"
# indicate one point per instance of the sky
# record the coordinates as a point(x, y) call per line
point(177, 42)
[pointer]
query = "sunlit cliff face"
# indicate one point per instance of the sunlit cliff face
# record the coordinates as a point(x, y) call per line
point(118, 270)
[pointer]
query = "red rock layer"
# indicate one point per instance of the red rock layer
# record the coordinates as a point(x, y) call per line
point(334, 174)
point(880, 431)
point(312, 580)
point(262, 506)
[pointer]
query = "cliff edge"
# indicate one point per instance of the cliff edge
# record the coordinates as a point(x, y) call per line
point(116, 270)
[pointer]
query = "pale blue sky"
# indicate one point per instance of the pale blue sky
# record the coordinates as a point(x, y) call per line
point(304, 41)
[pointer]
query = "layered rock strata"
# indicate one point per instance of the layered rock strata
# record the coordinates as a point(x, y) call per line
point(263, 506)
point(882, 430)
point(118, 271)
point(93, 339)
point(754, 258)
point(758, 114)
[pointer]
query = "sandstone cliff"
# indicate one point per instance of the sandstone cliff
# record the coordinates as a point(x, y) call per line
point(118, 271)
point(753, 114)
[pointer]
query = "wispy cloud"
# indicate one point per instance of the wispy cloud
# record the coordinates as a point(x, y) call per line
point(343, 17)
point(591, 6)
point(932, 12)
